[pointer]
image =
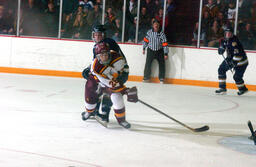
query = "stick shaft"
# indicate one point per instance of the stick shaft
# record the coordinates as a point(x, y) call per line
point(165, 115)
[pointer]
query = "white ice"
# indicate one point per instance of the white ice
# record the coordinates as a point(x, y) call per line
point(41, 126)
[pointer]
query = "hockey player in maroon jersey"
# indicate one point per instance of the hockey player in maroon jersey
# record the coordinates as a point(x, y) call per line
point(106, 71)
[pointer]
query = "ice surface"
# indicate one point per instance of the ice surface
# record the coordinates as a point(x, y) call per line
point(41, 126)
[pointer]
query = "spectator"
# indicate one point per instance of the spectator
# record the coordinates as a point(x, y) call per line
point(202, 36)
point(231, 13)
point(247, 37)
point(157, 48)
point(215, 33)
point(78, 26)
point(244, 10)
point(170, 7)
point(87, 4)
point(51, 19)
point(3, 21)
point(67, 26)
point(94, 17)
point(132, 7)
point(211, 8)
point(206, 21)
point(117, 35)
point(32, 24)
point(159, 18)
point(221, 20)
point(222, 5)
point(149, 5)
point(144, 22)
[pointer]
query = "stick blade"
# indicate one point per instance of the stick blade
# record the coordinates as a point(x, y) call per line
point(202, 129)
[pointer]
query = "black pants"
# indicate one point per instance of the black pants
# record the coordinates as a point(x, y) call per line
point(159, 56)
point(237, 76)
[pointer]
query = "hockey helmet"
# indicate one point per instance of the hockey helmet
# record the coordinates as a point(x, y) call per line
point(98, 31)
point(102, 52)
point(228, 32)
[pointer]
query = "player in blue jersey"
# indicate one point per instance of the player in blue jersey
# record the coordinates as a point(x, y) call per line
point(99, 35)
point(236, 61)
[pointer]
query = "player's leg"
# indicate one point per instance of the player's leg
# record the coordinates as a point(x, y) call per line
point(238, 77)
point(223, 68)
point(119, 108)
point(106, 107)
point(91, 98)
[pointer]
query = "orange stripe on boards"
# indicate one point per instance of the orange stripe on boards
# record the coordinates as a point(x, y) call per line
point(131, 77)
point(41, 72)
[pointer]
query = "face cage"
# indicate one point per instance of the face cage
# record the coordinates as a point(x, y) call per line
point(225, 34)
point(103, 35)
point(106, 62)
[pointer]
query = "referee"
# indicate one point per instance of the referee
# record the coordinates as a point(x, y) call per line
point(157, 48)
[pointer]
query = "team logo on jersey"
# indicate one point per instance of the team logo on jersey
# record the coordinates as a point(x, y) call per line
point(234, 43)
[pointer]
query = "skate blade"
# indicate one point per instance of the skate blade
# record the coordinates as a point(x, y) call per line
point(103, 123)
point(222, 93)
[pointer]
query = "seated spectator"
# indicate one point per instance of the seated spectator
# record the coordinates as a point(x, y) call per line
point(67, 26)
point(117, 35)
point(247, 37)
point(206, 20)
point(78, 26)
point(211, 8)
point(222, 21)
point(202, 36)
point(6, 22)
point(215, 33)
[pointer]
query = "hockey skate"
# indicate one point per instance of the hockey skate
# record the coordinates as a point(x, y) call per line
point(125, 124)
point(86, 115)
point(221, 91)
point(241, 92)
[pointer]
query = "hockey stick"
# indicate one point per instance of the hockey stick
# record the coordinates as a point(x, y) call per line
point(252, 131)
point(231, 69)
point(201, 129)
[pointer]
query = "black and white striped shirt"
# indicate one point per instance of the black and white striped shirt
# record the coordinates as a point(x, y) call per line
point(155, 41)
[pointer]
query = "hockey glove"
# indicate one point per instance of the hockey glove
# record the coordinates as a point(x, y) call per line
point(86, 73)
point(132, 95)
point(123, 76)
point(221, 50)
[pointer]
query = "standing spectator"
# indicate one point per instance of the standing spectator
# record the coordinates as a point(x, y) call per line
point(132, 7)
point(215, 33)
point(94, 17)
point(170, 7)
point(51, 18)
point(144, 22)
point(231, 13)
point(211, 8)
point(159, 17)
point(157, 48)
point(150, 6)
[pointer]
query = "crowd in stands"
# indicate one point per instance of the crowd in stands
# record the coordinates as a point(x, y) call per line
point(218, 14)
point(41, 18)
